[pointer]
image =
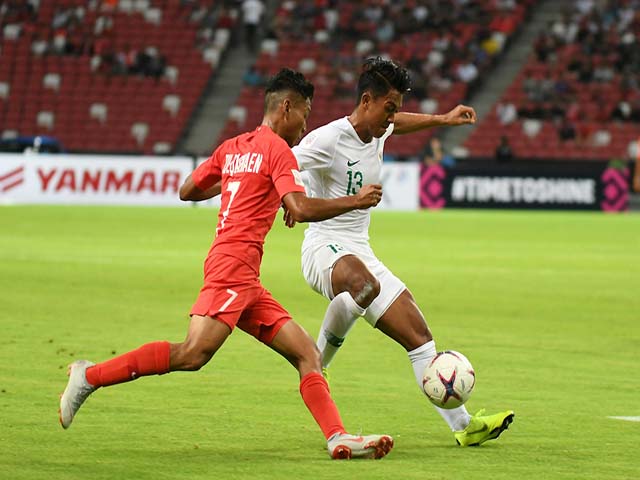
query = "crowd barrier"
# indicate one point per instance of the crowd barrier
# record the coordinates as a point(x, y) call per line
point(540, 186)
point(118, 180)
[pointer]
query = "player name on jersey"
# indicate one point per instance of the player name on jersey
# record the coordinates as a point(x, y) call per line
point(242, 163)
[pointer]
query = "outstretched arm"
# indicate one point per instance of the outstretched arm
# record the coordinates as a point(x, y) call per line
point(405, 122)
point(300, 208)
point(189, 191)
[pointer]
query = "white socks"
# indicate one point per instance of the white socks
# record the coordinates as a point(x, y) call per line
point(456, 418)
point(341, 314)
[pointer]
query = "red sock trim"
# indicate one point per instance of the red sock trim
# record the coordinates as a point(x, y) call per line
point(149, 359)
point(315, 393)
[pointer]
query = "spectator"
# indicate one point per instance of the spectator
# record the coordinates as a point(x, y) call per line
point(629, 82)
point(467, 71)
point(622, 111)
point(557, 110)
point(573, 112)
point(567, 131)
point(603, 72)
point(506, 5)
point(544, 47)
point(385, 31)
point(585, 71)
point(226, 18)
point(253, 77)
point(418, 84)
point(533, 89)
point(504, 153)
point(561, 87)
point(435, 155)
point(503, 22)
point(252, 11)
point(433, 152)
point(564, 30)
point(507, 113)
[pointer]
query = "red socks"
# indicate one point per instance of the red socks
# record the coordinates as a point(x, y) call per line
point(153, 358)
point(315, 393)
point(149, 359)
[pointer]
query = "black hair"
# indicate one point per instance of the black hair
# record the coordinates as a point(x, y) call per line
point(287, 80)
point(379, 76)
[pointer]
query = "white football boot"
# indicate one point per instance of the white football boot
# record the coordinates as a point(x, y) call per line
point(343, 446)
point(77, 391)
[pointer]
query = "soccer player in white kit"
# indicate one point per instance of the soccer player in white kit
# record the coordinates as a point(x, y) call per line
point(337, 260)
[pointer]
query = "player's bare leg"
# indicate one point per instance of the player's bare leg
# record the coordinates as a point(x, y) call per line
point(295, 344)
point(355, 287)
point(403, 322)
point(204, 338)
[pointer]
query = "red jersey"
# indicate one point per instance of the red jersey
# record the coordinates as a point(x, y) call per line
point(257, 169)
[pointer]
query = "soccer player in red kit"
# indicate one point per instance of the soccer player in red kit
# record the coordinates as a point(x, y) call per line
point(255, 172)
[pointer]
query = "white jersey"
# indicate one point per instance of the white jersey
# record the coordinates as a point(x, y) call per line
point(338, 163)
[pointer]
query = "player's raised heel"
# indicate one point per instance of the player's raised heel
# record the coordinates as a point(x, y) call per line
point(77, 391)
point(484, 427)
point(345, 446)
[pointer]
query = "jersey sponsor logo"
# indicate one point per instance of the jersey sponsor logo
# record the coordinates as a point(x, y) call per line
point(351, 164)
point(297, 178)
point(242, 163)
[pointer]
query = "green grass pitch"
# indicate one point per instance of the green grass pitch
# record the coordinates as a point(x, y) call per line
point(545, 305)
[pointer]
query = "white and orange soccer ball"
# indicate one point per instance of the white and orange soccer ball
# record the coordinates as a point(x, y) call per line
point(448, 379)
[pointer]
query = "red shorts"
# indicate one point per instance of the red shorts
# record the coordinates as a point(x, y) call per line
point(232, 294)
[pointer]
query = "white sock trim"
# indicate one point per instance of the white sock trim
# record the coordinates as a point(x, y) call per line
point(457, 418)
point(428, 347)
point(351, 304)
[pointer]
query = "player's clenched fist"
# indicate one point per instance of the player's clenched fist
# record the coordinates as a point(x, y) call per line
point(369, 195)
point(461, 115)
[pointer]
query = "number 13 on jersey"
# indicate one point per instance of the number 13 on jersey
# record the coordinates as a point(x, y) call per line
point(355, 180)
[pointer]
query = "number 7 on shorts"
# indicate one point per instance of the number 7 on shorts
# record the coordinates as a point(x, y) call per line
point(233, 296)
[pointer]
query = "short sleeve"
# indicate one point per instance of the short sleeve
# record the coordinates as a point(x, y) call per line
point(384, 138)
point(316, 150)
point(389, 131)
point(284, 172)
point(208, 172)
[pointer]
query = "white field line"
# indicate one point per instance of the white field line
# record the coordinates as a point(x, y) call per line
point(627, 419)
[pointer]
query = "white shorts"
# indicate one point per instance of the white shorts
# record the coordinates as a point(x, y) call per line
point(319, 255)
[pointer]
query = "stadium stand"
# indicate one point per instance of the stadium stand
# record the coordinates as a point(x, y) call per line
point(578, 96)
point(126, 75)
point(452, 44)
point(106, 76)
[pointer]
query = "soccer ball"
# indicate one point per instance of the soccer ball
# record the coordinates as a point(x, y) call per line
point(448, 379)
